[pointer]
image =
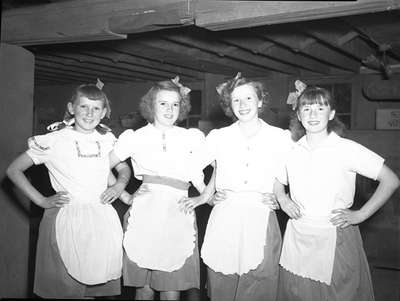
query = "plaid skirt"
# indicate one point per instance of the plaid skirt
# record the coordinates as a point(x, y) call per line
point(351, 279)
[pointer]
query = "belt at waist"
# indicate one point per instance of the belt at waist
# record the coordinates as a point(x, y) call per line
point(175, 183)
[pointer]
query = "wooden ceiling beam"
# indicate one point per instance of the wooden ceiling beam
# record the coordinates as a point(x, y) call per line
point(341, 38)
point(184, 53)
point(270, 50)
point(210, 44)
point(317, 51)
point(89, 66)
point(222, 15)
point(76, 20)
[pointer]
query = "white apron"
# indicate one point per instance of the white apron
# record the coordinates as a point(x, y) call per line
point(309, 248)
point(159, 236)
point(89, 238)
point(236, 234)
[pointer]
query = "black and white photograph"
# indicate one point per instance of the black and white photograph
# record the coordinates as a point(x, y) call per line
point(200, 150)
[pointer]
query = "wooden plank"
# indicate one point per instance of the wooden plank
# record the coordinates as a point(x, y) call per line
point(222, 15)
point(211, 45)
point(70, 21)
point(91, 66)
point(185, 53)
point(339, 36)
point(154, 18)
point(310, 48)
point(167, 58)
point(270, 50)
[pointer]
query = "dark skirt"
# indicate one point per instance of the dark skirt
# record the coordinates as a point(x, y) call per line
point(187, 277)
point(351, 279)
point(259, 284)
point(51, 277)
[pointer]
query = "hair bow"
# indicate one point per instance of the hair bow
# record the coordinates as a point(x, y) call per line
point(228, 84)
point(99, 84)
point(293, 96)
point(182, 89)
point(60, 124)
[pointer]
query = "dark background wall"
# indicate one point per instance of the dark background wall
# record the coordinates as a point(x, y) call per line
point(16, 107)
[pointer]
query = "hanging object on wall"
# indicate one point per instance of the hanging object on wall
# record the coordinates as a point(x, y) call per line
point(383, 90)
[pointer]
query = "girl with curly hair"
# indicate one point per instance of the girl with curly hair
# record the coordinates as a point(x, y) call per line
point(322, 256)
point(242, 242)
point(160, 240)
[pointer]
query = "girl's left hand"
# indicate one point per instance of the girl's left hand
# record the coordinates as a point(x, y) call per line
point(187, 205)
point(346, 217)
point(111, 193)
point(270, 200)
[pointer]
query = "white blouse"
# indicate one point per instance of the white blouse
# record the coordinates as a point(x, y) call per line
point(323, 179)
point(88, 232)
point(77, 162)
point(169, 153)
point(246, 164)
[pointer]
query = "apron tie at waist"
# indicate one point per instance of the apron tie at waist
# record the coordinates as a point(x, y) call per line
point(175, 183)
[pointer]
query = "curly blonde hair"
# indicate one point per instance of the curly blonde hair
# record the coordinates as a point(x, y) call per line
point(146, 105)
point(225, 90)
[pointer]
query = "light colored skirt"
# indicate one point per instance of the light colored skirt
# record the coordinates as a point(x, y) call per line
point(258, 284)
point(351, 279)
point(52, 280)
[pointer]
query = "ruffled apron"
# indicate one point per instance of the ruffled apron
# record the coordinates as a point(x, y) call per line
point(159, 236)
point(309, 248)
point(89, 239)
point(236, 234)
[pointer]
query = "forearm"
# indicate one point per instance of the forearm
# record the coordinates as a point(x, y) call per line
point(209, 190)
point(124, 174)
point(20, 180)
point(279, 191)
point(388, 183)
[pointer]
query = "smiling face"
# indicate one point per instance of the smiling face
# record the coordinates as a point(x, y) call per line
point(245, 103)
point(315, 117)
point(87, 113)
point(166, 108)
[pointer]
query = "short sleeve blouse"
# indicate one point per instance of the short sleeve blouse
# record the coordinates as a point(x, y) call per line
point(246, 164)
point(169, 153)
point(77, 162)
point(323, 179)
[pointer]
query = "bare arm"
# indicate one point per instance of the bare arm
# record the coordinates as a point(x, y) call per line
point(187, 205)
point(124, 174)
point(388, 183)
point(287, 205)
point(16, 174)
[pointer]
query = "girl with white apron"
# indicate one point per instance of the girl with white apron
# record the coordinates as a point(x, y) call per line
point(160, 240)
point(79, 251)
point(242, 242)
point(322, 256)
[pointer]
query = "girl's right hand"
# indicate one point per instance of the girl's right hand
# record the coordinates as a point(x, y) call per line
point(290, 207)
point(60, 199)
point(217, 198)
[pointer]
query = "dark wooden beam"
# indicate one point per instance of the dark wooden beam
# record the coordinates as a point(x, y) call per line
point(209, 44)
point(91, 67)
point(73, 21)
point(193, 55)
point(311, 48)
point(270, 50)
point(165, 57)
point(222, 15)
